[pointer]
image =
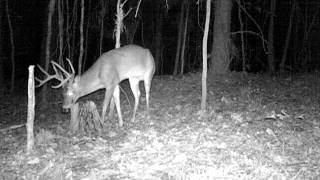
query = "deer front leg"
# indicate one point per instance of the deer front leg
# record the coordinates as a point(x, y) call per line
point(111, 110)
point(106, 101)
point(116, 97)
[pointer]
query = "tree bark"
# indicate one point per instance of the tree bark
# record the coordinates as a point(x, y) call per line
point(204, 57)
point(271, 60)
point(221, 37)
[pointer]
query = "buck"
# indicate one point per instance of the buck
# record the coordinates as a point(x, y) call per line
point(128, 62)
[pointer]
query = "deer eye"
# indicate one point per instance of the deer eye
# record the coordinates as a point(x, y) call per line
point(69, 93)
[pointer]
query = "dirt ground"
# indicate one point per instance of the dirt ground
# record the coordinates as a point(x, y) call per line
point(255, 127)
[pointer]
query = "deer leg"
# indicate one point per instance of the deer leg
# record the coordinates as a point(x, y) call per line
point(106, 101)
point(147, 86)
point(111, 110)
point(116, 97)
point(134, 85)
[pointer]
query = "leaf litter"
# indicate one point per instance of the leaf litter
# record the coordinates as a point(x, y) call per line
point(255, 127)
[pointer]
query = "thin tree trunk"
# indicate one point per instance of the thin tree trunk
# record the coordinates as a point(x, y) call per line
point(60, 15)
point(289, 30)
point(67, 29)
point(119, 25)
point(103, 13)
point(204, 57)
point(1, 55)
point(220, 55)
point(243, 54)
point(48, 44)
point(176, 62)
point(295, 39)
point(158, 36)
point(142, 34)
point(74, 22)
point(81, 38)
point(87, 32)
point(31, 114)
point(13, 63)
point(271, 60)
point(185, 31)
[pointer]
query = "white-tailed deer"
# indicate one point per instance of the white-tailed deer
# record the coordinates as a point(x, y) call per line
point(128, 62)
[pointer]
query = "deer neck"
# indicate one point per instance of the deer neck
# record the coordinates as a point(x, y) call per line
point(86, 85)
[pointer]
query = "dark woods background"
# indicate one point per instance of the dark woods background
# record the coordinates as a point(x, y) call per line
point(156, 28)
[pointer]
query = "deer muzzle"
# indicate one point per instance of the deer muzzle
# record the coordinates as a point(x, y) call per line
point(66, 108)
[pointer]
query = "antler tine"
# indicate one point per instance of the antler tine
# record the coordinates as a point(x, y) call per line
point(61, 79)
point(54, 64)
point(62, 83)
point(48, 77)
point(73, 72)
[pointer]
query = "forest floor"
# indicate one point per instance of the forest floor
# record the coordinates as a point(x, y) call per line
point(255, 127)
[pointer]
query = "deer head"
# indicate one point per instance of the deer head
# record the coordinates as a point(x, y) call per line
point(68, 82)
point(70, 92)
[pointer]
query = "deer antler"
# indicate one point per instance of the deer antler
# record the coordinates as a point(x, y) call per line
point(57, 75)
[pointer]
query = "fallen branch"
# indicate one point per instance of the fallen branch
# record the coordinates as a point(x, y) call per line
point(12, 127)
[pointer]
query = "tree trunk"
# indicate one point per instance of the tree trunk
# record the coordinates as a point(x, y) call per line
point(60, 15)
point(48, 44)
point(271, 60)
point(1, 55)
point(67, 29)
point(74, 20)
point(81, 38)
point(204, 57)
point(119, 25)
point(289, 30)
point(87, 33)
point(31, 113)
point(180, 26)
point(13, 63)
point(185, 31)
point(132, 25)
point(243, 54)
point(221, 37)
point(102, 14)
point(158, 36)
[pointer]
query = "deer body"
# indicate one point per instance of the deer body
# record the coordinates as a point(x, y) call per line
point(128, 62)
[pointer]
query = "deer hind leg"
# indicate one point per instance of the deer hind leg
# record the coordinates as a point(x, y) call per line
point(116, 97)
point(134, 85)
point(106, 101)
point(147, 86)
